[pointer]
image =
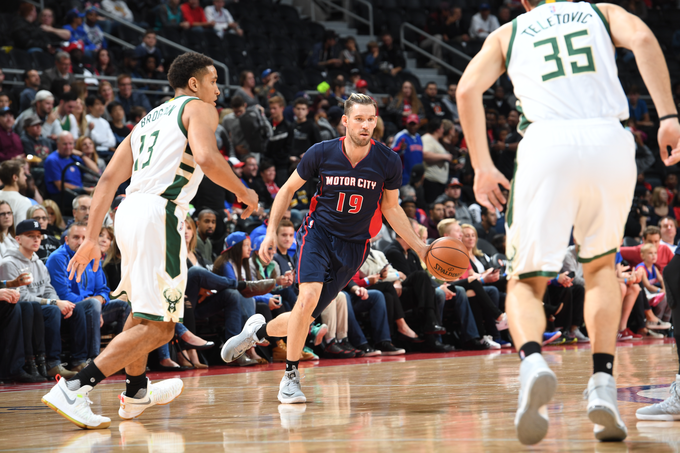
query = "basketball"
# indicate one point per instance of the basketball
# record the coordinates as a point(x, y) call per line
point(447, 259)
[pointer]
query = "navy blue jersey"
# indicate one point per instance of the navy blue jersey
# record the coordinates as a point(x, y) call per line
point(347, 199)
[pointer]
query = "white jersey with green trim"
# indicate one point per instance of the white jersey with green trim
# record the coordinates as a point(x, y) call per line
point(561, 63)
point(163, 162)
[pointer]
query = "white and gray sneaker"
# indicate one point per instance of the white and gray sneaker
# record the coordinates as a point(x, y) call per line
point(537, 387)
point(74, 406)
point(668, 410)
point(239, 344)
point(289, 389)
point(488, 339)
point(502, 324)
point(603, 409)
point(580, 337)
point(159, 393)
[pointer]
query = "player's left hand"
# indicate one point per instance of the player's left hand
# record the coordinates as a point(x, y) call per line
point(267, 249)
point(669, 137)
point(88, 251)
point(251, 200)
point(487, 192)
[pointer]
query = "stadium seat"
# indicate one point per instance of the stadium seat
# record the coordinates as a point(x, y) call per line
point(43, 60)
point(22, 59)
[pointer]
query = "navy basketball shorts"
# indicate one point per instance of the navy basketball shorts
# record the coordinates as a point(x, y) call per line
point(323, 257)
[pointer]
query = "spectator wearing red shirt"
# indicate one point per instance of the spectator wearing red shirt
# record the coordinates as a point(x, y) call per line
point(652, 235)
point(10, 142)
point(194, 14)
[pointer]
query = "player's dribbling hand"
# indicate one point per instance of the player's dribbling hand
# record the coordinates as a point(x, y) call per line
point(267, 249)
point(251, 200)
point(487, 190)
point(88, 251)
point(669, 137)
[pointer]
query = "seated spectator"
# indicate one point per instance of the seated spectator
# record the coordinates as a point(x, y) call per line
point(170, 17)
point(280, 144)
point(265, 184)
point(450, 101)
point(11, 145)
point(350, 56)
point(46, 21)
point(129, 98)
point(13, 179)
point(32, 140)
point(436, 162)
point(55, 221)
point(660, 206)
point(498, 102)
point(455, 29)
point(222, 19)
point(652, 282)
point(453, 192)
point(392, 58)
point(651, 235)
point(306, 133)
point(668, 232)
point(31, 80)
point(405, 104)
point(245, 90)
point(58, 161)
point(12, 337)
point(49, 243)
point(100, 130)
point(486, 229)
point(104, 66)
point(335, 319)
point(483, 23)
point(27, 32)
point(572, 320)
point(194, 14)
point(630, 290)
point(92, 291)
point(118, 127)
point(638, 107)
point(119, 9)
point(232, 124)
point(268, 90)
point(436, 215)
point(373, 58)
point(61, 70)
point(130, 64)
point(85, 149)
point(136, 113)
point(68, 122)
point(81, 117)
point(148, 47)
point(325, 55)
point(194, 257)
point(40, 297)
point(433, 105)
point(7, 232)
point(74, 24)
point(43, 107)
point(207, 221)
point(409, 145)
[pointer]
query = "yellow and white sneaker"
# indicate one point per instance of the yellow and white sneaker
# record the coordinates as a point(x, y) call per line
point(74, 406)
point(160, 393)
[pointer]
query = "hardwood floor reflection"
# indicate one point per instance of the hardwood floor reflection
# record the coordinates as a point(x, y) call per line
point(461, 404)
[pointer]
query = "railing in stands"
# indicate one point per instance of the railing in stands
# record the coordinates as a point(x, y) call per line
point(348, 12)
point(415, 47)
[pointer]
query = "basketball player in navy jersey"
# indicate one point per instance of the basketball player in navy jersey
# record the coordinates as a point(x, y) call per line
point(359, 182)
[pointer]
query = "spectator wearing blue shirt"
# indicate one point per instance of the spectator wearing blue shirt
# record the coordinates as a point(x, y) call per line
point(57, 161)
point(638, 107)
point(31, 79)
point(74, 24)
point(95, 35)
point(92, 291)
point(129, 98)
point(148, 47)
point(409, 145)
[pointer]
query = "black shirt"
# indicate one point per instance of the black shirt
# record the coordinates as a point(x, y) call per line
point(408, 264)
point(47, 246)
point(304, 136)
point(209, 195)
point(280, 144)
point(435, 108)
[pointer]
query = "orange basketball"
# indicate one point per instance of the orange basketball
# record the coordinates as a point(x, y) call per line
point(447, 259)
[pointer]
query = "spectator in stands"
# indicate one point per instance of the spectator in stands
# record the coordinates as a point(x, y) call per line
point(61, 70)
point(100, 130)
point(85, 148)
point(246, 88)
point(409, 145)
point(104, 66)
point(325, 55)
point(194, 14)
point(280, 144)
point(668, 232)
point(405, 103)
point(136, 114)
point(436, 215)
point(498, 102)
point(130, 64)
point(372, 59)
point(265, 185)
point(7, 231)
point(630, 290)
point(129, 98)
point(14, 179)
point(170, 17)
point(92, 291)
point(436, 161)
point(119, 9)
point(436, 27)
point(267, 90)
point(232, 124)
point(638, 107)
point(81, 117)
point(223, 20)
point(305, 132)
point(335, 318)
point(660, 207)
point(5, 101)
point(74, 24)
point(453, 191)
point(392, 58)
point(10, 143)
point(118, 127)
point(58, 161)
point(450, 102)
point(455, 29)
point(350, 56)
point(650, 235)
point(32, 82)
point(483, 23)
point(148, 47)
point(105, 91)
point(46, 21)
point(68, 122)
point(95, 35)
point(207, 221)
point(33, 142)
point(55, 222)
point(49, 243)
point(27, 33)
point(486, 229)
point(43, 107)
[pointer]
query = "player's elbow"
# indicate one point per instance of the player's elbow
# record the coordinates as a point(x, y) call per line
point(642, 38)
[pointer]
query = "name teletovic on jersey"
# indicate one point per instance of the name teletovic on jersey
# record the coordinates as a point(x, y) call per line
point(557, 19)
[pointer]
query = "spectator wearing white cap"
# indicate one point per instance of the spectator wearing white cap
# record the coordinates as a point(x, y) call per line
point(43, 106)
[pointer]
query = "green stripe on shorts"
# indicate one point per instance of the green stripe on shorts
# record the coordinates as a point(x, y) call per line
point(173, 241)
point(537, 274)
point(588, 260)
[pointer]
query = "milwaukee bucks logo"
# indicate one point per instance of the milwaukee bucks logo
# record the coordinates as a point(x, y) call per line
point(172, 296)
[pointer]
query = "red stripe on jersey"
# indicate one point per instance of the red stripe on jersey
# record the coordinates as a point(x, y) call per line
point(363, 256)
point(312, 204)
point(300, 253)
point(376, 220)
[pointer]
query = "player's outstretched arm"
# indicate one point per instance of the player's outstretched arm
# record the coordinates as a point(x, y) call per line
point(117, 172)
point(280, 206)
point(201, 121)
point(481, 73)
point(629, 31)
point(401, 224)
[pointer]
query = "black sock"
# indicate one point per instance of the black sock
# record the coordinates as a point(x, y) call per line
point(290, 366)
point(133, 384)
point(262, 332)
point(90, 375)
point(530, 347)
point(241, 285)
point(603, 363)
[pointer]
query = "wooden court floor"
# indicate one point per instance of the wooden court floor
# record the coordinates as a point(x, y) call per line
point(419, 403)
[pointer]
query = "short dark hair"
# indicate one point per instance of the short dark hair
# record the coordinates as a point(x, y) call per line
point(112, 105)
point(186, 66)
point(265, 164)
point(136, 111)
point(149, 31)
point(9, 169)
point(24, 76)
point(484, 211)
point(650, 230)
point(237, 102)
point(90, 100)
point(205, 212)
point(433, 125)
point(430, 83)
point(299, 101)
point(68, 97)
point(435, 203)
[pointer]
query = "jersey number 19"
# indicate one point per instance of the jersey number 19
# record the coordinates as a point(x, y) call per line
point(355, 202)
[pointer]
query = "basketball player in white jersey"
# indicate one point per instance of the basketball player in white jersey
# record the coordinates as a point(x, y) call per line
point(575, 168)
point(165, 156)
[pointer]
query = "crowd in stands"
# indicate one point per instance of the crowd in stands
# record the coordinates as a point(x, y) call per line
point(58, 132)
